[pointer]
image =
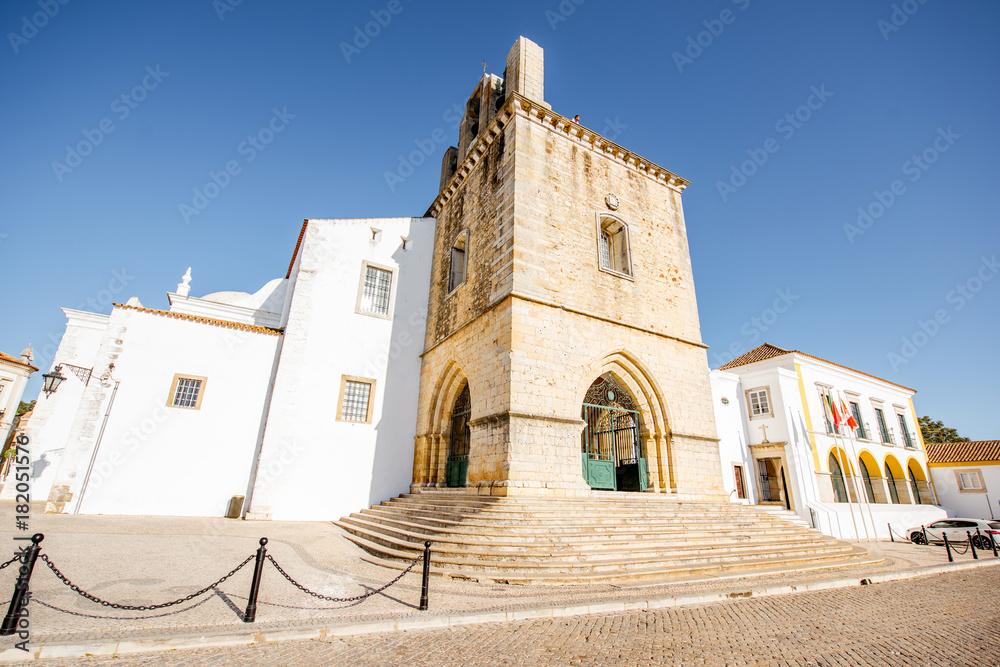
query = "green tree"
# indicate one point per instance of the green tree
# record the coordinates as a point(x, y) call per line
point(937, 432)
point(24, 407)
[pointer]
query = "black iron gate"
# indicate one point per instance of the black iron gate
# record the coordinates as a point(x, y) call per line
point(458, 456)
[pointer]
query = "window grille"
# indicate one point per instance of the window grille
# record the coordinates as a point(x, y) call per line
point(187, 392)
point(357, 396)
point(906, 432)
point(862, 433)
point(882, 426)
point(375, 293)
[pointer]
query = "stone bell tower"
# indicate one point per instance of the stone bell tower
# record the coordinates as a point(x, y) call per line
point(560, 263)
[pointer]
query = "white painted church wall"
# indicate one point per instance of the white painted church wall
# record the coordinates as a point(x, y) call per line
point(161, 460)
point(53, 415)
point(155, 459)
point(312, 465)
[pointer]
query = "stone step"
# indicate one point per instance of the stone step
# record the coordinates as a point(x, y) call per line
point(474, 502)
point(580, 540)
point(606, 537)
point(569, 532)
point(572, 552)
point(613, 570)
point(557, 523)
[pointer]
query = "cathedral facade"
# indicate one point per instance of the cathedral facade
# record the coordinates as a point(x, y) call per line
point(534, 333)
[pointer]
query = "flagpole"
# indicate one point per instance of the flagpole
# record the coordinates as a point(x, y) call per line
point(850, 510)
point(842, 446)
point(868, 503)
point(854, 453)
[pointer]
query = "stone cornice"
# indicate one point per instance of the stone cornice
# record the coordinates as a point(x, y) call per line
point(522, 106)
point(603, 318)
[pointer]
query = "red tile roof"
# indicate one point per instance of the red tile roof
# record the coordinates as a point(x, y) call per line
point(963, 452)
point(205, 320)
point(15, 360)
point(765, 351)
point(768, 351)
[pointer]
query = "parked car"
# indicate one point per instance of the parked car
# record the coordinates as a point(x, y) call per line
point(957, 530)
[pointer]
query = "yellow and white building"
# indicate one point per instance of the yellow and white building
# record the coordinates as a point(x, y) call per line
point(966, 476)
point(784, 441)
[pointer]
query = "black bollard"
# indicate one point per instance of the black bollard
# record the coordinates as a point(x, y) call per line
point(251, 613)
point(947, 547)
point(427, 576)
point(924, 529)
point(972, 546)
point(21, 588)
point(890, 532)
point(993, 543)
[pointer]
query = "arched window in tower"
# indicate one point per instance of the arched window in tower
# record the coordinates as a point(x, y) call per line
point(613, 250)
point(837, 477)
point(458, 456)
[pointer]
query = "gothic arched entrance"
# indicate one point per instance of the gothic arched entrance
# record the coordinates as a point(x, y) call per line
point(610, 446)
point(458, 455)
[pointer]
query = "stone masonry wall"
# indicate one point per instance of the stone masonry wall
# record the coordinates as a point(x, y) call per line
point(537, 321)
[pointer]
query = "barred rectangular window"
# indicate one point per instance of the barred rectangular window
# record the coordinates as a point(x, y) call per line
point(356, 399)
point(375, 292)
point(186, 395)
point(186, 391)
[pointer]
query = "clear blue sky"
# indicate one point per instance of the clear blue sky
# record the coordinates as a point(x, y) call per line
point(71, 234)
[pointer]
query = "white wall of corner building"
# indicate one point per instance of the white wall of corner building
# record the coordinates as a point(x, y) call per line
point(975, 504)
point(732, 446)
point(313, 466)
point(156, 459)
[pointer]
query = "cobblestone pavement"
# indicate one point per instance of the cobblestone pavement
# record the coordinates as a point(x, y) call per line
point(144, 560)
point(942, 620)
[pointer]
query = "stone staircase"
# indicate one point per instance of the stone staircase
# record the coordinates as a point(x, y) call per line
point(607, 538)
point(785, 515)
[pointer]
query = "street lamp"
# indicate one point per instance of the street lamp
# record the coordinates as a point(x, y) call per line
point(55, 378)
point(52, 380)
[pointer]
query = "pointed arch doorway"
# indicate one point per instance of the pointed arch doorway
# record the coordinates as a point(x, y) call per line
point(610, 449)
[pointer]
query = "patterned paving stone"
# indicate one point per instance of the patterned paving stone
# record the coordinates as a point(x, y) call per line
point(943, 620)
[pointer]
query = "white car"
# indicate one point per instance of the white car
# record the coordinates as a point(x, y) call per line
point(957, 530)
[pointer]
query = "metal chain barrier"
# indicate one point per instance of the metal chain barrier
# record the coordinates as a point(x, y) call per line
point(954, 546)
point(93, 598)
point(356, 598)
point(902, 537)
point(10, 562)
